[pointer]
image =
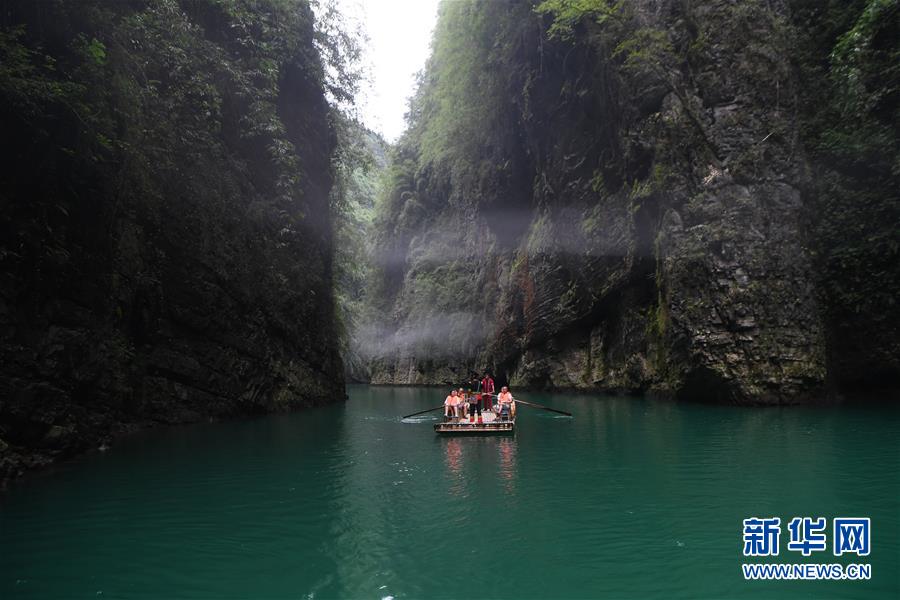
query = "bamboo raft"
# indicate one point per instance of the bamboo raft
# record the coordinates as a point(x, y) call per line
point(491, 425)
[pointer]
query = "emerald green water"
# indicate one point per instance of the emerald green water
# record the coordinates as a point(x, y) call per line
point(632, 498)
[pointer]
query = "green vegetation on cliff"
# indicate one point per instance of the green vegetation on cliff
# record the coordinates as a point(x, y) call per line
point(357, 185)
point(166, 215)
point(850, 66)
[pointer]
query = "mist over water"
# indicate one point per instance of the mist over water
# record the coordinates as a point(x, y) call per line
point(444, 271)
point(631, 498)
point(437, 336)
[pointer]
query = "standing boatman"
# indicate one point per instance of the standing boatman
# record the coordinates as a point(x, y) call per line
point(475, 407)
point(487, 390)
point(474, 383)
point(475, 389)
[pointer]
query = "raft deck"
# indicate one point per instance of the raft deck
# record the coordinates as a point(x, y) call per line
point(490, 425)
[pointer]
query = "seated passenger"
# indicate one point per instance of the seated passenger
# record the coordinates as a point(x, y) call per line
point(502, 411)
point(450, 405)
point(507, 402)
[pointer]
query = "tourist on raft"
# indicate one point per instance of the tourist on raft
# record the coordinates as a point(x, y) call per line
point(450, 404)
point(474, 383)
point(474, 406)
point(507, 402)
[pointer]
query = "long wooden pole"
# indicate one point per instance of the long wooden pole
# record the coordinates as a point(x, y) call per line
point(541, 406)
point(562, 412)
point(422, 412)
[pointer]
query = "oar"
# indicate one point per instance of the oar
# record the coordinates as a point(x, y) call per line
point(422, 412)
point(562, 412)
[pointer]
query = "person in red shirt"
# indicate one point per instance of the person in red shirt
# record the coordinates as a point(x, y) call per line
point(487, 391)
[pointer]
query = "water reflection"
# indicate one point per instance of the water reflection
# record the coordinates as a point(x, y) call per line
point(508, 464)
point(470, 461)
point(453, 459)
point(453, 455)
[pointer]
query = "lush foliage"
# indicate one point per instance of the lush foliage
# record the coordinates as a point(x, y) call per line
point(358, 181)
point(166, 223)
point(851, 70)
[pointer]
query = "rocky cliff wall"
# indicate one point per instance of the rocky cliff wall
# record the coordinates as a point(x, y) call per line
point(166, 245)
point(618, 206)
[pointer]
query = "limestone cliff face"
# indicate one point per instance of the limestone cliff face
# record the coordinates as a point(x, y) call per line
point(166, 247)
point(631, 219)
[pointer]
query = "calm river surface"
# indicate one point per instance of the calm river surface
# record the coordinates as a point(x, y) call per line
point(632, 498)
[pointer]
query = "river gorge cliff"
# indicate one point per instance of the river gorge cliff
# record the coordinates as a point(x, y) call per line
point(690, 198)
point(642, 197)
point(166, 219)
